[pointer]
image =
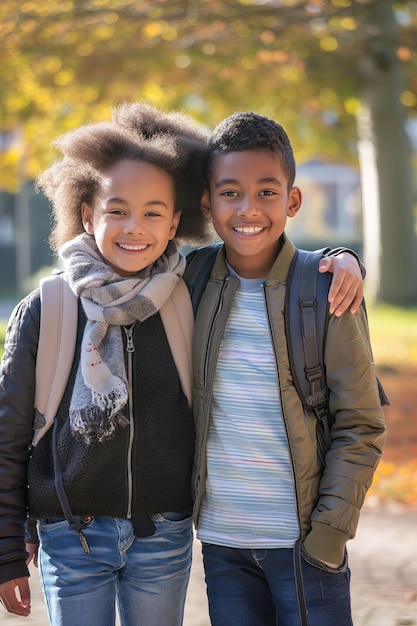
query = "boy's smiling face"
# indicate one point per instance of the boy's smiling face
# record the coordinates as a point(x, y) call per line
point(249, 202)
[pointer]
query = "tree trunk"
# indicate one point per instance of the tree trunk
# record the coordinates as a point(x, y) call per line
point(390, 241)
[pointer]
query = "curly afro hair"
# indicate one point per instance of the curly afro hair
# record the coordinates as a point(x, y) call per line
point(169, 140)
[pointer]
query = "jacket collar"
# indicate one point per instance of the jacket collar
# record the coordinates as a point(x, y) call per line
point(279, 270)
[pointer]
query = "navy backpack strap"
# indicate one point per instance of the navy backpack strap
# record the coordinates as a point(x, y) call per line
point(306, 319)
point(199, 265)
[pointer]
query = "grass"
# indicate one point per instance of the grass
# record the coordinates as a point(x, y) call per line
point(393, 335)
point(3, 324)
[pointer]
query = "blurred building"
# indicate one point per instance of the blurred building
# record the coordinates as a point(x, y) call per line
point(24, 232)
point(331, 212)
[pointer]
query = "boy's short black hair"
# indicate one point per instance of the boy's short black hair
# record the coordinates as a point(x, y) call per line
point(251, 131)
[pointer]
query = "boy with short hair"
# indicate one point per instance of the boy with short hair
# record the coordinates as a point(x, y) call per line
point(273, 521)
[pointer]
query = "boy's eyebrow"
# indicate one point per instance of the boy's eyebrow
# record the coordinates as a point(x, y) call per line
point(263, 181)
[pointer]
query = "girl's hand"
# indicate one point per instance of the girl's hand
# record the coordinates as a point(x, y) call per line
point(15, 596)
point(32, 549)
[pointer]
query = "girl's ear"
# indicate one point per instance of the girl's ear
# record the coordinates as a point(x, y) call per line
point(174, 225)
point(205, 204)
point(294, 201)
point(87, 218)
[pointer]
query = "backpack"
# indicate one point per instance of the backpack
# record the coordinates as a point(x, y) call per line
point(56, 348)
point(306, 316)
point(58, 337)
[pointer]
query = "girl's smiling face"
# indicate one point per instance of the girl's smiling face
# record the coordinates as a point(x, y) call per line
point(132, 218)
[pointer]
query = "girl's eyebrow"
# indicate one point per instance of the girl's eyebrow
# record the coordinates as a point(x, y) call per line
point(268, 180)
point(117, 200)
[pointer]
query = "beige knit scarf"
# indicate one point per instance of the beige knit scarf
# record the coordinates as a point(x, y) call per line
point(110, 301)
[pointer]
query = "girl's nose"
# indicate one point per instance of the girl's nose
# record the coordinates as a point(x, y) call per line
point(134, 225)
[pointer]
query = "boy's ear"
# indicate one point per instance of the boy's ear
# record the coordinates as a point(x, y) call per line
point(294, 201)
point(87, 218)
point(205, 204)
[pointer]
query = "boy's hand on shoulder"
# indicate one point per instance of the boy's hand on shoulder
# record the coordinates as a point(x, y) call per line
point(346, 289)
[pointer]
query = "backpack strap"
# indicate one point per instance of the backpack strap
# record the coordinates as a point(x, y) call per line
point(199, 265)
point(306, 320)
point(178, 320)
point(56, 347)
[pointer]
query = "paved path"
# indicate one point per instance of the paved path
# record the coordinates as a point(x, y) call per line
point(383, 561)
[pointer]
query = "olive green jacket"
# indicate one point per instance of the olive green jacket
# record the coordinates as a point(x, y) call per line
point(328, 499)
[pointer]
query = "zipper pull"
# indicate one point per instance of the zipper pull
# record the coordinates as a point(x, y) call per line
point(129, 336)
point(84, 542)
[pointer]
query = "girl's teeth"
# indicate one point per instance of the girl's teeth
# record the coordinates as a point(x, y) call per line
point(137, 248)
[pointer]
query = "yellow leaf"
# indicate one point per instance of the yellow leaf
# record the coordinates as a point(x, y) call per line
point(154, 29)
point(329, 44)
point(64, 77)
point(408, 98)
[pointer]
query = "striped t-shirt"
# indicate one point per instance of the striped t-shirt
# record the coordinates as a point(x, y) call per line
point(249, 500)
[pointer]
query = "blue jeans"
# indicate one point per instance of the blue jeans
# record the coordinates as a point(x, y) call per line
point(146, 578)
point(282, 587)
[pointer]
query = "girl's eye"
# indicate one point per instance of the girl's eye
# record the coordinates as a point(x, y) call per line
point(116, 212)
point(229, 193)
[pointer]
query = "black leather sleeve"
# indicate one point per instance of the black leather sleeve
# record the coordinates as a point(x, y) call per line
point(17, 387)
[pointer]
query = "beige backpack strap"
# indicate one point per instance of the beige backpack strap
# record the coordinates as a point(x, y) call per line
point(178, 320)
point(56, 347)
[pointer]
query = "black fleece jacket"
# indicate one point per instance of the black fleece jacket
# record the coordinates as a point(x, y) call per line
point(144, 469)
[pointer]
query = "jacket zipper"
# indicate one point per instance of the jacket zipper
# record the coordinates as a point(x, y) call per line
point(290, 448)
point(130, 349)
point(215, 336)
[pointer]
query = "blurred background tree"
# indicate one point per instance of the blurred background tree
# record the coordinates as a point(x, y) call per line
point(340, 75)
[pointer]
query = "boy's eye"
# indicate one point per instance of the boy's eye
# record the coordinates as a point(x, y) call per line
point(229, 193)
point(267, 192)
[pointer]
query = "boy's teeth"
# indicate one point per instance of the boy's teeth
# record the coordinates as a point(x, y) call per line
point(248, 230)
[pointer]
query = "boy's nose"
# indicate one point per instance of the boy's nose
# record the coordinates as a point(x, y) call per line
point(248, 206)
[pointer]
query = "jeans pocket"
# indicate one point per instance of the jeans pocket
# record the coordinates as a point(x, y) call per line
point(51, 523)
point(176, 517)
point(171, 517)
point(311, 560)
